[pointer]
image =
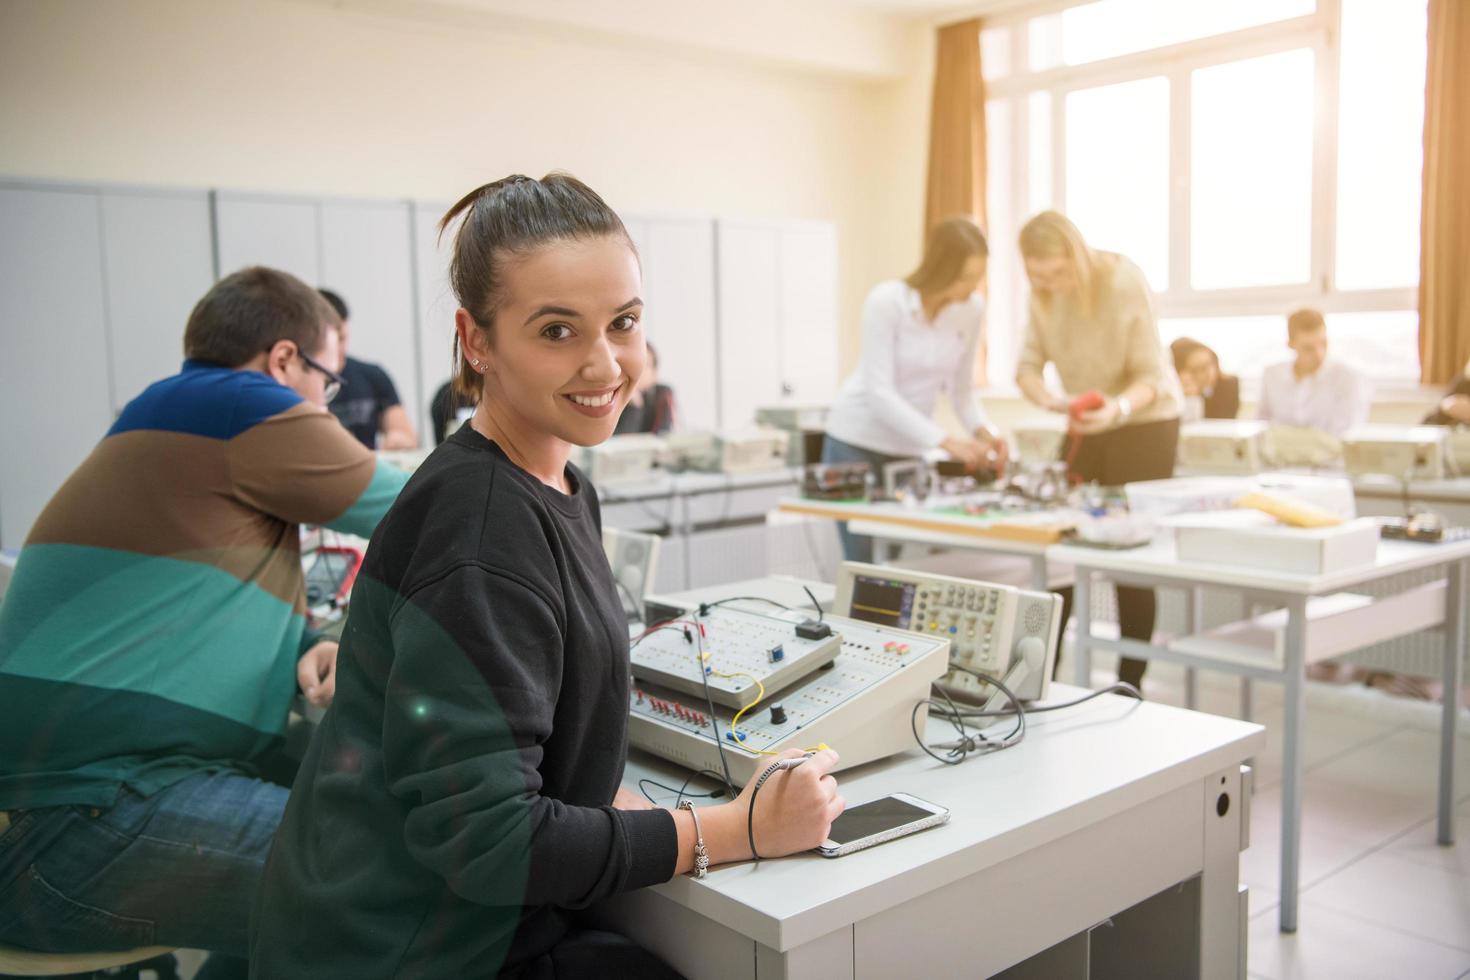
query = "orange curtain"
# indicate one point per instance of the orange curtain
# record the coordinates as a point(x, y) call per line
point(957, 128)
point(1444, 256)
point(957, 135)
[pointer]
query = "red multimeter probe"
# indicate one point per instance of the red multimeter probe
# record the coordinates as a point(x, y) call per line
point(1088, 401)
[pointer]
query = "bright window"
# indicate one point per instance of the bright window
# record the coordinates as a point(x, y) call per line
point(1039, 195)
point(1385, 344)
point(1109, 28)
point(1251, 176)
point(1252, 156)
point(1117, 159)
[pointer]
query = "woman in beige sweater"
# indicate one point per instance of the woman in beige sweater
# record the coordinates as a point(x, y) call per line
point(1091, 315)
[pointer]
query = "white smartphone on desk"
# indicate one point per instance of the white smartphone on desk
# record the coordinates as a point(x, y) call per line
point(881, 820)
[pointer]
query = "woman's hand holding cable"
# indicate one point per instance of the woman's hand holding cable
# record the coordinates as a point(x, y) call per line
point(793, 813)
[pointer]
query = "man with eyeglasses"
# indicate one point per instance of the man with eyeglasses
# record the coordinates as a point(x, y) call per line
point(153, 637)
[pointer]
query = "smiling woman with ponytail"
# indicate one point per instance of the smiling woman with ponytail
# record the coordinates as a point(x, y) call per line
point(460, 804)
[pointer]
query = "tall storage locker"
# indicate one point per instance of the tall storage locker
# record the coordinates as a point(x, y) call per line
point(55, 402)
point(158, 254)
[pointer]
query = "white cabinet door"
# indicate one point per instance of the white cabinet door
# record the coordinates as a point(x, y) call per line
point(778, 315)
point(54, 399)
point(159, 261)
point(749, 290)
point(809, 312)
point(638, 231)
point(279, 232)
point(679, 313)
point(436, 302)
point(366, 259)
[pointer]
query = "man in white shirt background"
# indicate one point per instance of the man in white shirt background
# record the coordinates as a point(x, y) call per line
point(1313, 391)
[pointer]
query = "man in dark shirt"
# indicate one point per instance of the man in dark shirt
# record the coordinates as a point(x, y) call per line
point(651, 408)
point(448, 410)
point(368, 403)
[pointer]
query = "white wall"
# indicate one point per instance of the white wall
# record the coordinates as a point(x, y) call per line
point(371, 99)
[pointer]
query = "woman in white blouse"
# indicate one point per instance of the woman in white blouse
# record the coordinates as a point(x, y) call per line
point(920, 337)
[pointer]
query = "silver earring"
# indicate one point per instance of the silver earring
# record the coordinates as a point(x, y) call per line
point(474, 364)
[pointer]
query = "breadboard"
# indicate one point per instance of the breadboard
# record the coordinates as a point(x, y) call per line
point(742, 648)
point(861, 706)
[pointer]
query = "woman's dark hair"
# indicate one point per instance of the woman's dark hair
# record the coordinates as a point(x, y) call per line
point(952, 242)
point(1182, 347)
point(508, 218)
point(338, 303)
point(248, 312)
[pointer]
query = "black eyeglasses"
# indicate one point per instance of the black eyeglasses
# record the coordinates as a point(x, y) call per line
point(334, 380)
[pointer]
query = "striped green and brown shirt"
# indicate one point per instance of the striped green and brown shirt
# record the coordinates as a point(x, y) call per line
point(157, 611)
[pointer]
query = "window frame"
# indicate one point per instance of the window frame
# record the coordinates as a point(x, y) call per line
point(1319, 32)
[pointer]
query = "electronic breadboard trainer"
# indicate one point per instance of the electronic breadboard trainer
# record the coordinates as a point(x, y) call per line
point(758, 683)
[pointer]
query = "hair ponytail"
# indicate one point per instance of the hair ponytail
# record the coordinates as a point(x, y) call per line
point(506, 218)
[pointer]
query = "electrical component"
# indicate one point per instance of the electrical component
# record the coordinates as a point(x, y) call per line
point(995, 630)
point(621, 460)
point(811, 629)
point(860, 704)
point(738, 655)
point(836, 481)
point(1401, 452)
point(1222, 445)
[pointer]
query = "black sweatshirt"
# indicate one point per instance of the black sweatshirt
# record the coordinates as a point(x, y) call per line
point(455, 798)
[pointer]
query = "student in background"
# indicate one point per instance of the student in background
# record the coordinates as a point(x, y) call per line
point(921, 335)
point(461, 805)
point(449, 409)
point(153, 637)
point(651, 406)
point(1312, 391)
point(1208, 393)
point(1091, 315)
point(368, 404)
point(1454, 407)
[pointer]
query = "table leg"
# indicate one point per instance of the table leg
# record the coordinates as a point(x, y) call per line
point(1082, 637)
point(1247, 699)
point(1038, 573)
point(1195, 601)
point(1291, 760)
point(686, 527)
point(1454, 652)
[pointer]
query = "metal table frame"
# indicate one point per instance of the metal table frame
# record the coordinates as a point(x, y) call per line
point(1292, 674)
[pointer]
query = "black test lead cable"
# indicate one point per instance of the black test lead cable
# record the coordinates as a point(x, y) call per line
point(709, 701)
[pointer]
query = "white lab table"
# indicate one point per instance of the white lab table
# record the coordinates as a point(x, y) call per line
point(894, 523)
point(1279, 647)
point(1101, 807)
point(684, 506)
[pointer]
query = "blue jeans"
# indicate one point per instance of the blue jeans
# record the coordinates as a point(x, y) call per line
point(856, 547)
point(179, 868)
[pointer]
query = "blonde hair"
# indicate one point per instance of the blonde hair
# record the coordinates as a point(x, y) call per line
point(1051, 235)
point(952, 242)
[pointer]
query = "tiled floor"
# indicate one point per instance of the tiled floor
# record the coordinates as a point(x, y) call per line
point(1379, 898)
